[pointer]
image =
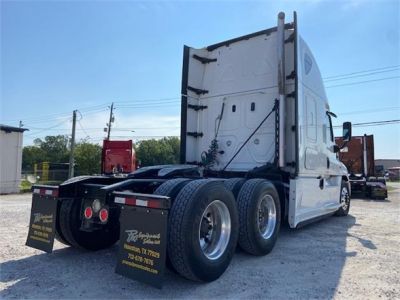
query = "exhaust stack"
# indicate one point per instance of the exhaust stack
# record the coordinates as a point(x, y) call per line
point(365, 155)
point(281, 84)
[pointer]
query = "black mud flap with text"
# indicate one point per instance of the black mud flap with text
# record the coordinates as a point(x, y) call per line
point(42, 224)
point(143, 237)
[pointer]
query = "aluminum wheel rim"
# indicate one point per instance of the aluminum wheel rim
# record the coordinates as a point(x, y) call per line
point(344, 198)
point(215, 230)
point(266, 216)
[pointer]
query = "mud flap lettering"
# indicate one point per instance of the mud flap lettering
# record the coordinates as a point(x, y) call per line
point(142, 245)
point(42, 225)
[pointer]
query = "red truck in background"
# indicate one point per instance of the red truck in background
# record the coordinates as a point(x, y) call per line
point(118, 157)
point(358, 157)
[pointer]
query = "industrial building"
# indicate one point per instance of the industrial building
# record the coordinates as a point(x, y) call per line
point(10, 158)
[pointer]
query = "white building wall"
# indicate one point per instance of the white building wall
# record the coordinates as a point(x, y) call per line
point(10, 161)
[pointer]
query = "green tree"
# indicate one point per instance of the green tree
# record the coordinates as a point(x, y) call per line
point(56, 148)
point(32, 155)
point(175, 145)
point(156, 152)
point(88, 158)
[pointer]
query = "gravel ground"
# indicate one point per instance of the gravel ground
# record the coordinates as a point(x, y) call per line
point(354, 257)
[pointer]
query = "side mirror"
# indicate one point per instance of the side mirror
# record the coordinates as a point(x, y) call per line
point(346, 131)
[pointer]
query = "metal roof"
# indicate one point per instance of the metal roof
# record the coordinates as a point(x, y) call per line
point(7, 128)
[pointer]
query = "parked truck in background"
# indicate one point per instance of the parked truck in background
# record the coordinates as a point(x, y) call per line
point(358, 157)
point(118, 157)
point(257, 150)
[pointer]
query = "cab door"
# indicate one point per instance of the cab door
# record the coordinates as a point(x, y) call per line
point(332, 177)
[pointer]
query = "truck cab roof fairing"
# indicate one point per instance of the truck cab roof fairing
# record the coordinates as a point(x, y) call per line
point(309, 74)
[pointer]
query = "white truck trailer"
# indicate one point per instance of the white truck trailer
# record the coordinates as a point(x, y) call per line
point(257, 150)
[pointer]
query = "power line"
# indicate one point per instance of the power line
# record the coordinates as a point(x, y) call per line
point(154, 104)
point(150, 100)
point(59, 124)
point(114, 129)
point(376, 123)
point(364, 71)
point(84, 131)
point(46, 120)
point(370, 110)
point(57, 115)
point(155, 101)
point(361, 82)
point(360, 75)
point(149, 103)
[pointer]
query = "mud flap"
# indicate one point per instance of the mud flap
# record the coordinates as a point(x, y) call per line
point(42, 224)
point(143, 237)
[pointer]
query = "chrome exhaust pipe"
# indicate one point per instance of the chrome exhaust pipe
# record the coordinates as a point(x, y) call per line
point(281, 84)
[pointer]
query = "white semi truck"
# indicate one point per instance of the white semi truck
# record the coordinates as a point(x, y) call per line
point(257, 150)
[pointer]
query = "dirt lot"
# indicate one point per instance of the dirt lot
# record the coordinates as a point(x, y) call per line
point(353, 257)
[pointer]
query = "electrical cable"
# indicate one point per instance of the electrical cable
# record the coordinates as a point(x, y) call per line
point(359, 72)
point(361, 82)
point(59, 124)
point(376, 123)
point(361, 75)
point(370, 110)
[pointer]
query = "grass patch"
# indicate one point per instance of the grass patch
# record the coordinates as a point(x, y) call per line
point(25, 186)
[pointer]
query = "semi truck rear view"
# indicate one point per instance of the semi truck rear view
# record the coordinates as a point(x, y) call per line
point(118, 157)
point(257, 150)
point(358, 157)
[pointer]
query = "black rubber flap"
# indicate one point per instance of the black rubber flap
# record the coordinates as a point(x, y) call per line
point(42, 225)
point(142, 245)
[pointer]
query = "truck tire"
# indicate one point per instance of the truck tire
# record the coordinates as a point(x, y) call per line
point(234, 185)
point(58, 234)
point(259, 216)
point(203, 230)
point(344, 198)
point(70, 223)
point(171, 187)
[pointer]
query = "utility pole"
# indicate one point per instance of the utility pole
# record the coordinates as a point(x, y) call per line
point(110, 121)
point(71, 155)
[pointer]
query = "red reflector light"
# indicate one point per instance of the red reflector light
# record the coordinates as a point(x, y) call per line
point(103, 215)
point(88, 213)
point(154, 204)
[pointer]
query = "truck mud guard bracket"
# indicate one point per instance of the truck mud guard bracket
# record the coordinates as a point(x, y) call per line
point(197, 107)
point(292, 75)
point(196, 90)
point(291, 95)
point(195, 134)
point(143, 236)
point(204, 60)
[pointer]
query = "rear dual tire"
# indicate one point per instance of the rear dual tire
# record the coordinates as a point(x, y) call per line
point(70, 224)
point(171, 188)
point(203, 230)
point(259, 216)
point(234, 185)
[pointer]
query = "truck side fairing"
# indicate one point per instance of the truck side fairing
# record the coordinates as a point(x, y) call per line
point(236, 80)
point(229, 88)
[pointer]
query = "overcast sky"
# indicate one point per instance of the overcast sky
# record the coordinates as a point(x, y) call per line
point(60, 56)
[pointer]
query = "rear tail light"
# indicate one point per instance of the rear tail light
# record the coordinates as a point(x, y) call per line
point(88, 212)
point(103, 215)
